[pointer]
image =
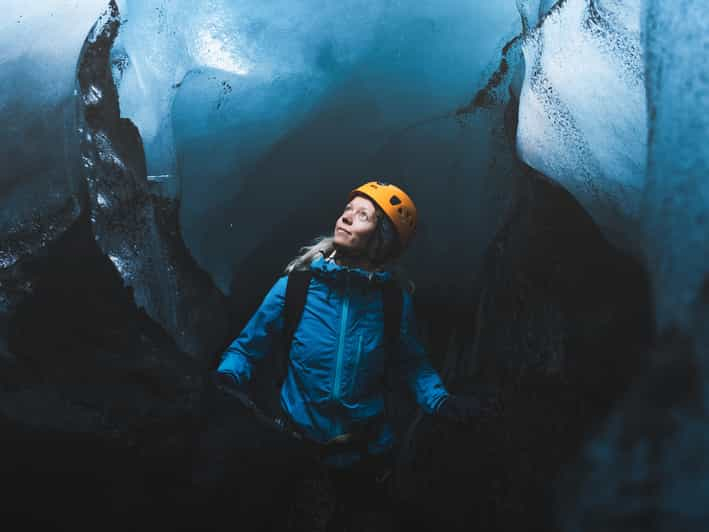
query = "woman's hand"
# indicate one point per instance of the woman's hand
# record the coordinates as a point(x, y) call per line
point(226, 380)
point(464, 409)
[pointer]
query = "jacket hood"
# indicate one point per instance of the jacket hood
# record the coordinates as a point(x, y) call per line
point(329, 269)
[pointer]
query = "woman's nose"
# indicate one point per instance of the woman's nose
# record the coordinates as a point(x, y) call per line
point(346, 218)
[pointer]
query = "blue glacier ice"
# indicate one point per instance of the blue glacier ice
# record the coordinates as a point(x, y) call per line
point(216, 90)
point(615, 108)
point(234, 101)
point(676, 198)
point(39, 162)
point(196, 136)
point(39, 46)
point(263, 56)
point(583, 118)
point(134, 219)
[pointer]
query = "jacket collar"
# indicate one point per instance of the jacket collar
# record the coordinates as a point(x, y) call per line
point(329, 269)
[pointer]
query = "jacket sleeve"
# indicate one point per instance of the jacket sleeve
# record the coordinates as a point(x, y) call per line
point(414, 365)
point(256, 339)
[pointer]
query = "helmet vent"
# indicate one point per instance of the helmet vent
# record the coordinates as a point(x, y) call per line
point(394, 200)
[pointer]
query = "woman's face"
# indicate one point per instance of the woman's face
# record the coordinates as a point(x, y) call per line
point(356, 225)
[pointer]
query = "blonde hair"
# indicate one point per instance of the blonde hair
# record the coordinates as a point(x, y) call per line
point(323, 245)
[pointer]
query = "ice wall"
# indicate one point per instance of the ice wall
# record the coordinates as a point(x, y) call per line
point(134, 224)
point(676, 198)
point(647, 469)
point(39, 45)
point(39, 181)
point(583, 118)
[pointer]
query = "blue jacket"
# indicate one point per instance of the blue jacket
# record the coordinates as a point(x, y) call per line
point(337, 359)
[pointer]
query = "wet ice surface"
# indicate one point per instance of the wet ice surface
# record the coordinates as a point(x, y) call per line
point(268, 62)
point(583, 118)
point(135, 223)
point(39, 44)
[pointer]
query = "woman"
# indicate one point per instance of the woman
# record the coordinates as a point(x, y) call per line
point(333, 392)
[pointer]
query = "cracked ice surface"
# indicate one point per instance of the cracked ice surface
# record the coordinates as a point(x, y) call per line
point(583, 119)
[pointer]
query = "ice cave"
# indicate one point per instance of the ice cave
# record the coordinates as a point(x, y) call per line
point(164, 160)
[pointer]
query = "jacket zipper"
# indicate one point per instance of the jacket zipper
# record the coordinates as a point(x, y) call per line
point(356, 364)
point(336, 394)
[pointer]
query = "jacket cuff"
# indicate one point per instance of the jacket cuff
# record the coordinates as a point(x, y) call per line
point(438, 402)
point(227, 377)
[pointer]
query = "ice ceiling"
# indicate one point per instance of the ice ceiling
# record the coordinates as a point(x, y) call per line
point(248, 109)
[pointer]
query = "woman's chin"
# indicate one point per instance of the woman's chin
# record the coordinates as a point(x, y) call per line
point(340, 241)
point(343, 247)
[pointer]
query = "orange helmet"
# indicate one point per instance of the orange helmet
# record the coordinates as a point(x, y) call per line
point(395, 203)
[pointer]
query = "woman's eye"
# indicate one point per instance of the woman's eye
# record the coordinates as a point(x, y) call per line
point(363, 216)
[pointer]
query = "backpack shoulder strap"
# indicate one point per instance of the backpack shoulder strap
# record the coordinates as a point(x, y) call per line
point(296, 292)
point(393, 304)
